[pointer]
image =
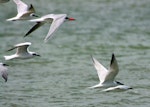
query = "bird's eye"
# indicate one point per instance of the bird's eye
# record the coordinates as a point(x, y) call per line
point(66, 18)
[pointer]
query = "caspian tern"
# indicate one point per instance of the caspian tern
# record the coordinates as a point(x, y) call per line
point(54, 19)
point(22, 52)
point(24, 11)
point(3, 71)
point(107, 76)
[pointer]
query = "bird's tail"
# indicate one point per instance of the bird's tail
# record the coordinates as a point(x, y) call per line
point(8, 57)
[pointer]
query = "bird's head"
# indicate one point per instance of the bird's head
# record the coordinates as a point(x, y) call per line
point(33, 15)
point(70, 18)
point(3, 64)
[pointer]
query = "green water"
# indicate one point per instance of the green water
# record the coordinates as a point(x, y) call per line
point(63, 73)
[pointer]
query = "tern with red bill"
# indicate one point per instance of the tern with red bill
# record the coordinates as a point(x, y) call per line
point(54, 19)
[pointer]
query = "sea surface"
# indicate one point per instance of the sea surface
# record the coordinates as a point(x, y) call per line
point(63, 73)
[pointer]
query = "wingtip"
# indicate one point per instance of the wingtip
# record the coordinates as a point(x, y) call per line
point(112, 58)
point(92, 57)
point(45, 40)
point(5, 78)
point(25, 35)
point(10, 49)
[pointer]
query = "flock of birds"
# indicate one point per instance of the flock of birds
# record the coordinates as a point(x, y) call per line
point(27, 12)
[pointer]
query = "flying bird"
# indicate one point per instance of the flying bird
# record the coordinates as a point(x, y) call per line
point(107, 76)
point(54, 19)
point(25, 12)
point(22, 52)
point(3, 71)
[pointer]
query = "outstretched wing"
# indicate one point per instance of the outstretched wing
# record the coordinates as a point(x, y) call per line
point(101, 70)
point(21, 47)
point(31, 8)
point(113, 70)
point(21, 6)
point(57, 21)
point(36, 26)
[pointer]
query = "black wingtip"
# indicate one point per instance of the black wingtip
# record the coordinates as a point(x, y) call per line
point(92, 58)
point(10, 49)
point(25, 35)
point(5, 78)
point(112, 58)
point(31, 6)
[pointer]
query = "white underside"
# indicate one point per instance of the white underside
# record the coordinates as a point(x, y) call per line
point(117, 88)
point(18, 57)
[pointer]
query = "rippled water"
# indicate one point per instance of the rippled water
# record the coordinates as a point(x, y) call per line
point(61, 76)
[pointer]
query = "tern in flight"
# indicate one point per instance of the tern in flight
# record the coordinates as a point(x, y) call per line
point(22, 52)
point(54, 19)
point(107, 76)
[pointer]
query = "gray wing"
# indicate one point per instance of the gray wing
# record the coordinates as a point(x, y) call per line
point(22, 49)
point(31, 8)
point(36, 26)
point(113, 70)
point(4, 73)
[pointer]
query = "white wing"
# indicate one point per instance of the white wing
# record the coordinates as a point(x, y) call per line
point(57, 21)
point(21, 6)
point(101, 70)
point(22, 44)
point(117, 88)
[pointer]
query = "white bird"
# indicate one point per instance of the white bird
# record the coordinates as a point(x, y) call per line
point(22, 52)
point(54, 19)
point(107, 76)
point(3, 70)
point(24, 11)
point(4, 1)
